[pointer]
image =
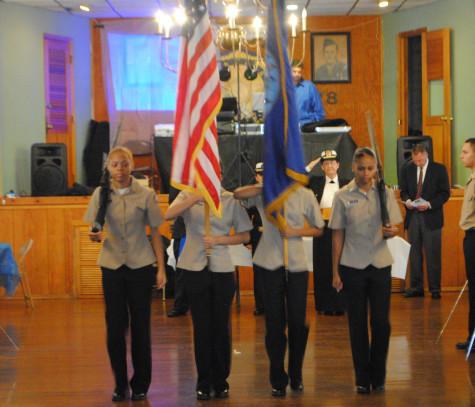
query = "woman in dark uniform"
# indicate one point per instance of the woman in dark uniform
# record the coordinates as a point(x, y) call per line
point(327, 300)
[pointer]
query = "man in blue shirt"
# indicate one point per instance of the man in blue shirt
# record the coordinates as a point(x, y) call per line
point(309, 103)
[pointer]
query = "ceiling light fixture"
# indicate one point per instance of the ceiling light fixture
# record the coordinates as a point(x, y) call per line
point(84, 8)
point(292, 7)
point(383, 3)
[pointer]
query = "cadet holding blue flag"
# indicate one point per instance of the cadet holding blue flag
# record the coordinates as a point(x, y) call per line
point(288, 210)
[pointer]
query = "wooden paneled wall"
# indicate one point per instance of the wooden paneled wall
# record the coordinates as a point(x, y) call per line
point(99, 111)
point(365, 92)
point(53, 222)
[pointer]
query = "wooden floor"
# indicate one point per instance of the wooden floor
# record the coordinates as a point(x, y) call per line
point(55, 356)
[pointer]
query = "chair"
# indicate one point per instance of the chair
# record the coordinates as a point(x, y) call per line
point(25, 283)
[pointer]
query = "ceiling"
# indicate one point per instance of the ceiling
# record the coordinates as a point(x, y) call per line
point(147, 8)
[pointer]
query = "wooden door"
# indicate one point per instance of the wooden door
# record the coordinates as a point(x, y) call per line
point(403, 79)
point(59, 98)
point(436, 90)
point(436, 94)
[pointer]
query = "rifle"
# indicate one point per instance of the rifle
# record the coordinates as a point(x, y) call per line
point(104, 200)
point(380, 185)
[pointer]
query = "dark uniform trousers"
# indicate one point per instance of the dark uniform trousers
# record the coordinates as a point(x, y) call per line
point(420, 236)
point(326, 297)
point(258, 287)
point(469, 253)
point(210, 296)
point(181, 303)
point(129, 292)
point(285, 301)
point(371, 285)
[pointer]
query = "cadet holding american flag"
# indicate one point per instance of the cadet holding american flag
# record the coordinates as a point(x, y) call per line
point(205, 260)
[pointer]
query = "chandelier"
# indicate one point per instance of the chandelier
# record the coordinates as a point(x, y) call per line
point(232, 36)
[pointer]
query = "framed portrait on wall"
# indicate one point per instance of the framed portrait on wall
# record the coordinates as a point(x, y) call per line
point(331, 57)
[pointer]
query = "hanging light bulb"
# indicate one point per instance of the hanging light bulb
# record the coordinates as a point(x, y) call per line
point(231, 14)
point(167, 26)
point(179, 15)
point(293, 19)
point(159, 18)
point(257, 24)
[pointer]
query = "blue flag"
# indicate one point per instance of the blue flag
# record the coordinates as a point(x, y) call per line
point(284, 167)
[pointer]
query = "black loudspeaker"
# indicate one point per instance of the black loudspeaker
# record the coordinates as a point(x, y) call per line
point(404, 150)
point(49, 169)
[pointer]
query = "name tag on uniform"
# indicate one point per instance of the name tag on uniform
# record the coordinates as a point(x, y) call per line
point(351, 203)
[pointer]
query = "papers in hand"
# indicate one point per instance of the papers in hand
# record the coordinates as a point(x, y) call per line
point(333, 129)
point(399, 249)
point(420, 202)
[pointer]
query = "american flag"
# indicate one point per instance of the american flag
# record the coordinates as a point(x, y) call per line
point(195, 164)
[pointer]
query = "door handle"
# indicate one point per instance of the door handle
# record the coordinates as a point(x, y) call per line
point(447, 118)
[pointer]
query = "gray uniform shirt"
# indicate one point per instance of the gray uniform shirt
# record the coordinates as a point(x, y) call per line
point(126, 218)
point(193, 256)
point(467, 216)
point(358, 212)
point(301, 205)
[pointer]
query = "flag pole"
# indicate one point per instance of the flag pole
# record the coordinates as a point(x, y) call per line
point(286, 248)
point(451, 312)
point(207, 226)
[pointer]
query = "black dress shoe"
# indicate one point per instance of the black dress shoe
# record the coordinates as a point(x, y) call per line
point(378, 389)
point(119, 395)
point(221, 394)
point(278, 392)
point(296, 386)
point(413, 293)
point(333, 313)
point(463, 345)
point(363, 389)
point(175, 313)
point(138, 396)
point(258, 311)
point(436, 295)
point(203, 395)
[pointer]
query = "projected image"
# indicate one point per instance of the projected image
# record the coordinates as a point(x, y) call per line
point(140, 80)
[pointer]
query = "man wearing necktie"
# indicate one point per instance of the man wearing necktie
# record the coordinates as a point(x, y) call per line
point(424, 190)
point(327, 300)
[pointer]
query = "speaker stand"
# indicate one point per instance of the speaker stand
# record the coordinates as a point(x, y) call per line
point(240, 156)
